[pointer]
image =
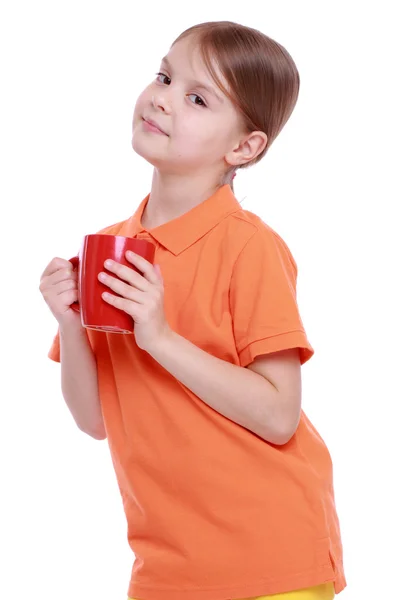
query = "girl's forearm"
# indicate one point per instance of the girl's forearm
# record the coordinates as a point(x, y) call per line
point(236, 392)
point(79, 381)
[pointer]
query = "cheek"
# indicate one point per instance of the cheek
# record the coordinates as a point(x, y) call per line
point(202, 134)
point(194, 128)
point(143, 100)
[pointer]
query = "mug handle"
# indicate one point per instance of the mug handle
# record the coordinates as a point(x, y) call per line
point(75, 263)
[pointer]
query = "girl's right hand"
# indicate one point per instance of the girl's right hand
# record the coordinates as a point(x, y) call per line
point(59, 288)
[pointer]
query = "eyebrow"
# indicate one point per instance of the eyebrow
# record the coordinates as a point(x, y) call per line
point(198, 84)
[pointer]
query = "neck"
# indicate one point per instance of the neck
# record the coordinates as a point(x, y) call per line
point(172, 195)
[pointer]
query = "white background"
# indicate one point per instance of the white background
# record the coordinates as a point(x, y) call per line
point(70, 76)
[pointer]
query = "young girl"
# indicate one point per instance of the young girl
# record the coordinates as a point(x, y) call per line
point(226, 485)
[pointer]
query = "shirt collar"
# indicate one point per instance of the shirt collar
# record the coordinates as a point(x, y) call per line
point(180, 233)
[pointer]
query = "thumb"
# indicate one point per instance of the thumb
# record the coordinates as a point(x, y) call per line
point(158, 271)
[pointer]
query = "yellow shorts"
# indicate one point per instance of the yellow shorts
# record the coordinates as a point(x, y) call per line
point(320, 592)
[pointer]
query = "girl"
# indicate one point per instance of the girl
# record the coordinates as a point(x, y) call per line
point(226, 485)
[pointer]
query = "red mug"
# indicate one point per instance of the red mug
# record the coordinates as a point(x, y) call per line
point(96, 313)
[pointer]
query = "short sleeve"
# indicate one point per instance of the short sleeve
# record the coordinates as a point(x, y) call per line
point(54, 352)
point(263, 302)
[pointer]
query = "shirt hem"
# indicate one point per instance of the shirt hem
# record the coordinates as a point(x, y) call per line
point(263, 587)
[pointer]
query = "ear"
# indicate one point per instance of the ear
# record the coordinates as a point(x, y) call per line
point(247, 149)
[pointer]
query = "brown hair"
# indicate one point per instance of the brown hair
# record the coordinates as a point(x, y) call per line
point(262, 77)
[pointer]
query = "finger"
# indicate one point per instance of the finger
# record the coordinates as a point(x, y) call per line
point(64, 286)
point(46, 283)
point(63, 300)
point(128, 274)
point(144, 266)
point(55, 265)
point(122, 303)
point(58, 290)
point(69, 297)
point(62, 275)
point(159, 274)
point(121, 288)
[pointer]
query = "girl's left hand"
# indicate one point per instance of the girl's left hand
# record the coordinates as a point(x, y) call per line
point(142, 297)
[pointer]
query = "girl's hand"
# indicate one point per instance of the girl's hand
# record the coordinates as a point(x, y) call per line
point(59, 288)
point(142, 297)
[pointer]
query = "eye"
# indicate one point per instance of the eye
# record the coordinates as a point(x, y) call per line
point(201, 103)
point(201, 100)
point(163, 75)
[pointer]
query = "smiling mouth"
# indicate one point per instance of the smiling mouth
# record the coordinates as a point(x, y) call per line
point(152, 127)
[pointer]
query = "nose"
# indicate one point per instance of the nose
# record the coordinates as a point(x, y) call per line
point(160, 102)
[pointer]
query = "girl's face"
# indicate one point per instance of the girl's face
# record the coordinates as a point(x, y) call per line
point(201, 124)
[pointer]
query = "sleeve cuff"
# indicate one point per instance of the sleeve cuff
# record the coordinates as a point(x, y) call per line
point(284, 341)
point(54, 353)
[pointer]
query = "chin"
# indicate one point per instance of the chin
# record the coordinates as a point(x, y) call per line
point(144, 152)
point(141, 147)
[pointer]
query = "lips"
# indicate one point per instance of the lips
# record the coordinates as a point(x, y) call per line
point(154, 125)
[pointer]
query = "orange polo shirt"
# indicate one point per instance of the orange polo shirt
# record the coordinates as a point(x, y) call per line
point(213, 511)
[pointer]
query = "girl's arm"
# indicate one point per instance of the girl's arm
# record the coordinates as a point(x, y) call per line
point(264, 398)
point(79, 380)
